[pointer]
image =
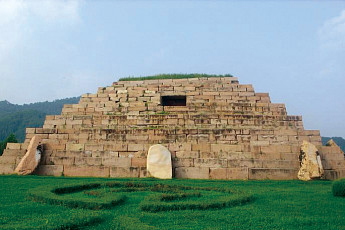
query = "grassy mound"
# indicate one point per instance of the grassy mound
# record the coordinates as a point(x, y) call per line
point(338, 187)
point(172, 76)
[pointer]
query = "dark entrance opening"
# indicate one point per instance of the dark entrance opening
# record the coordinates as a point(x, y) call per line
point(174, 100)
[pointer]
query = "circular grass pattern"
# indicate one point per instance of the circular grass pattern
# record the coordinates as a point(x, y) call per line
point(157, 197)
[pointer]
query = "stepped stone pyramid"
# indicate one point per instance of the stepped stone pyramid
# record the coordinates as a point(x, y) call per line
point(214, 127)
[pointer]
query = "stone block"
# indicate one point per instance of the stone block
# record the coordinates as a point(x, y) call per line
point(182, 162)
point(225, 148)
point(192, 173)
point(330, 150)
point(283, 164)
point(75, 147)
point(116, 162)
point(94, 147)
point(88, 161)
point(218, 173)
point(124, 172)
point(267, 156)
point(272, 174)
point(54, 146)
point(230, 155)
point(248, 163)
point(117, 147)
point(187, 154)
point(130, 137)
point(13, 146)
point(138, 162)
point(180, 147)
point(272, 149)
point(13, 152)
point(289, 156)
point(59, 161)
point(333, 164)
point(214, 163)
point(259, 143)
point(237, 173)
point(86, 171)
point(205, 147)
point(135, 147)
point(332, 157)
point(334, 174)
point(49, 170)
point(8, 159)
point(127, 154)
point(6, 168)
point(140, 154)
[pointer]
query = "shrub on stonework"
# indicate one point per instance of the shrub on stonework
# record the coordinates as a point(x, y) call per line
point(338, 187)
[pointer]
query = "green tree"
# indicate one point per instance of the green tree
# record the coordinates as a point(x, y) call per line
point(10, 139)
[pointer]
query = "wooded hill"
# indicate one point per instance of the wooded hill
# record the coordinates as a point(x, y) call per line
point(15, 118)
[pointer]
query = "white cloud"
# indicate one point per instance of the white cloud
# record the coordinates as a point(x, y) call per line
point(10, 21)
point(48, 10)
point(21, 23)
point(332, 47)
point(332, 33)
point(56, 10)
point(15, 18)
point(9, 11)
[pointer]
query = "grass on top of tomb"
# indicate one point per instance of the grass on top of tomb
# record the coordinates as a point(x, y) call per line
point(277, 205)
point(172, 76)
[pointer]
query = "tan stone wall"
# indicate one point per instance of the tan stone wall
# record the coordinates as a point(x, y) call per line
point(226, 131)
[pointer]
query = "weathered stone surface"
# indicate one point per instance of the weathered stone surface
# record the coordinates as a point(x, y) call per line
point(159, 162)
point(272, 174)
point(218, 173)
point(49, 170)
point(6, 168)
point(124, 172)
point(333, 144)
point(334, 174)
point(31, 159)
point(192, 172)
point(225, 131)
point(311, 166)
point(237, 173)
point(86, 171)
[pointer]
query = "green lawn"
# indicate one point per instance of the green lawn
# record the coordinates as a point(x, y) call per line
point(275, 204)
point(172, 76)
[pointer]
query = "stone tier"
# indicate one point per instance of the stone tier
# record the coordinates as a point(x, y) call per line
point(225, 131)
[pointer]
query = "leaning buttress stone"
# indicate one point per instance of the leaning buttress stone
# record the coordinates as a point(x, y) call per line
point(311, 167)
point(32, 157)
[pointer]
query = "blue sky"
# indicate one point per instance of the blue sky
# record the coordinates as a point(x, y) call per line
point(295, 50)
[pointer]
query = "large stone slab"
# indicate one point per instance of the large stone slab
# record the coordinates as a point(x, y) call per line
point(32, 157)
point(311, 166)
point(6, 168)
point(192, 172)
point(272, 174)
point(49, 170)
point(159, 162)
point(333, 144)
point(124, 172)
point(86, 171)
